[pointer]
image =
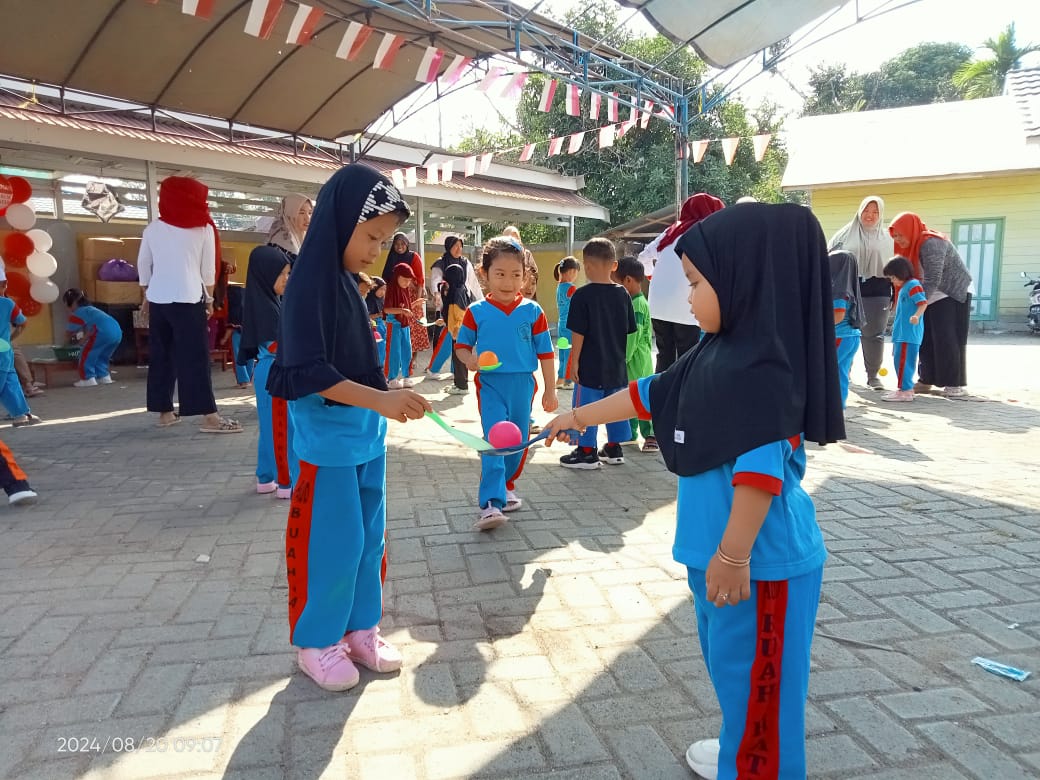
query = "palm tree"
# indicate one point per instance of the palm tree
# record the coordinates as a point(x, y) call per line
point(985, 78)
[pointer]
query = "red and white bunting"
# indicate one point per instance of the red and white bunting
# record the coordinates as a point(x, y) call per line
point(494, 74)
point(633, 114)
point(304, 23)
point(485, 162)
point(555, 146)
point(429, 65)
point(625, 126)
point(729, 149)
point(387, 51)
point(594, 105)
point(666, 112)
point(648, 111)
point(761, 143)
point(577, 139)
point(411, 176)
point(515, 85)
point(471, 166)
point(447, 171)
point(263, 15)
point(432, 171)
point(573, 100)
point(697, 150)
point(397, 177)
point(606, 135)
point(200, 8)
point(612, 107)
point(528, 152)
point(548, 91)
point(456, 69)
point(354, 39)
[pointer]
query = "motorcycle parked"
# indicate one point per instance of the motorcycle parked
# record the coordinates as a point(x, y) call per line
point(1033, 318)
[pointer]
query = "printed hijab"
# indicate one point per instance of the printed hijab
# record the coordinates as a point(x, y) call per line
point(694, 209)
point(911, 227)
point(326, 335)
point(284, 232)
point(872, 247)
point(263, 306)
point(845, 285)
point(771, 372)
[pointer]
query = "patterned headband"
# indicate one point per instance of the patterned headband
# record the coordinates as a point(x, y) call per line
point(383, 199)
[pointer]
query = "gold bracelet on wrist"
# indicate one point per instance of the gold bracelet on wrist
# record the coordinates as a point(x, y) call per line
point(732, 561)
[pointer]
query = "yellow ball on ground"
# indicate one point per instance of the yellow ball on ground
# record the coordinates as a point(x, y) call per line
point(883, 372)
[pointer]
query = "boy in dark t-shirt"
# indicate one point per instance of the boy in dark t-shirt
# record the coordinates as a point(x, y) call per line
point(600, 319)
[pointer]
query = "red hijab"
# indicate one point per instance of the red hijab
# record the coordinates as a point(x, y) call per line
point(915, 231)
point(182, 203)
point(694, 209)
point(398, 297)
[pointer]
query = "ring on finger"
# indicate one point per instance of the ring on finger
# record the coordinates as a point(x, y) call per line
point(724, 596)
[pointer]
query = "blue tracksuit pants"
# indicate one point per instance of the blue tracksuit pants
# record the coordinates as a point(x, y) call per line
point(617, 432)
point(97, 352)
point(905, 356)
point(334, 551)
point(243, 372)
point(276, 460)
point(503, 397)
point(757, 654)
point(848, 346)
point(441, 351)
point(381, 341)
point(11, 395)
point(562, 371)
point(398, 348)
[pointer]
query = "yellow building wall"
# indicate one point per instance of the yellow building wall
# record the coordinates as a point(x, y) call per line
point(1016, 199)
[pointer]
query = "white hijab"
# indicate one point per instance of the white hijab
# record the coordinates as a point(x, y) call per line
point(872, 247)
point(284, 232)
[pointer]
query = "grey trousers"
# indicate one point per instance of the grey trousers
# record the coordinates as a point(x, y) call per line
point(872, 339)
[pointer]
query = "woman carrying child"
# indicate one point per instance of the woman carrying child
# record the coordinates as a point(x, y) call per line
point(732, 416)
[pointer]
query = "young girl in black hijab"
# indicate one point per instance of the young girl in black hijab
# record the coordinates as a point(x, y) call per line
point(327, 368)
point(731, 417)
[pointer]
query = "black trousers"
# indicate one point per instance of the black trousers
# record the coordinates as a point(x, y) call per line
point(12, 478)
point(178, 354)
point(673, 341)
point(944, 348)
point(460, 374)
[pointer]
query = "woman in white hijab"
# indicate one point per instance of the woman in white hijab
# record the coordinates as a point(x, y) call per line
point(291, 224)
point(866, 238)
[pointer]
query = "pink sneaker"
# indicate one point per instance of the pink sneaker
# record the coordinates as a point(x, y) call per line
point(370, 650)
point(898, 396)
point(284, 492)
point(266, 487)
point(330, 667)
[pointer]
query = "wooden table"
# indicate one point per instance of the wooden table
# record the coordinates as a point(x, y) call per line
point(49, 366)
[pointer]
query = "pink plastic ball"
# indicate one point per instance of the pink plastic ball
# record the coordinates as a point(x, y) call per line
point(504, 434)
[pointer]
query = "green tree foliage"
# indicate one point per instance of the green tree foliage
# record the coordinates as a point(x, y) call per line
point(985, 78)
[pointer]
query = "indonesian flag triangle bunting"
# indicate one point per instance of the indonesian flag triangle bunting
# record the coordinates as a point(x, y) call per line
point(573, 98)
point(548, 91)
point(493, 75)
point(263, 14)
point(354, 39)
point(555, 145)
point(515, 85)
point(697, 150)
point(304, 23)
point(761, 143)
point(597, 99)
point(456, 69)
point(612, 107)
point(387, 52)
point(576, 141)
point(429, 65)
point(528, 152)
point(606, 136)
point(200, 8)
point(729, 149)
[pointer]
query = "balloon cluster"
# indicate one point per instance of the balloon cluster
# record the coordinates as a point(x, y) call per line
point(26, 247)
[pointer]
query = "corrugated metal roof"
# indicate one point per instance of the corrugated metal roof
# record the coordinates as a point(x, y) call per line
point(1023, 86)
point(962, 139)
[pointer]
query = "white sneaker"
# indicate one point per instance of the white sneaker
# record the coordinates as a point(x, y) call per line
point(408, 382)
point(22, 497)
point(513, 501)
point(490, 517)
point(395, 384)
point(703, 758)
point(92, 382)
point(104, 380)
point(954, 392)
point(452, 390)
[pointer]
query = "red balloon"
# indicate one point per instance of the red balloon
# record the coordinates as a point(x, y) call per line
point(21, 190)
point(30, 306)
point(17, 247)
point(18, 286)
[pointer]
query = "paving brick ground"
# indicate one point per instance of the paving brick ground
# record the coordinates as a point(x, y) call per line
point(561, 645)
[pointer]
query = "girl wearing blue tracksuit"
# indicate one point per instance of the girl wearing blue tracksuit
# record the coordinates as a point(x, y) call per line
point(276, 466)
point(102, 335)
point(236, 295)
point(566, 272)
point(327, 369)
point(732, 416)
point(907, 326)
point(848, 313)
point(374, 302)
point(516, 330)
point(397, 311)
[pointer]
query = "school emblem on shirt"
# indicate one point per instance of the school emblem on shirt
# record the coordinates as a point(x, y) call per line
point(680, 437)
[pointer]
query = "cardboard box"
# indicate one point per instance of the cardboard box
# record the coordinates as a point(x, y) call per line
point(116, 292)
point(104, 249)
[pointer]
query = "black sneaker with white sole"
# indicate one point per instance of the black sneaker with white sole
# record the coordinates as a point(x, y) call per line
point(612, 454)
point(580, 460)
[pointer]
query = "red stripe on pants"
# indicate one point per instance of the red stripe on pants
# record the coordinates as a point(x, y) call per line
point(901, 366)
point(85, 353)
point(389, 340)
point(437, 348)
point(280, 433)
point(297, 542)
point(511, 482)
point(758, 757)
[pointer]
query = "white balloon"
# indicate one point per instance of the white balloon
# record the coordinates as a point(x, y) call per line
point(21, 216)
point(41, 264)
point(41, 239)
point(44, 292)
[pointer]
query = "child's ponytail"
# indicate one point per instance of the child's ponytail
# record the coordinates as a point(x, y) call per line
point(568, 263)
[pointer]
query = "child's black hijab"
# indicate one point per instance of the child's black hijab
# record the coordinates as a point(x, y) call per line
point(326, 335)
point(771, 371)
point(845, 285)
point(263, 305)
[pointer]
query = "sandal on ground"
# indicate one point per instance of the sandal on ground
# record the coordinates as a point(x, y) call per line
point(226, 425)
point(176, 419)
point(29, 419)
